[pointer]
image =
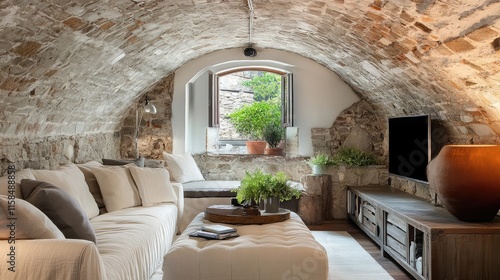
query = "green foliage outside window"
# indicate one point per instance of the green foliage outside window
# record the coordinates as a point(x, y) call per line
point(266, 86)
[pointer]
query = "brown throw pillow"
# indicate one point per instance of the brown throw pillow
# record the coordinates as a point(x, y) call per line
point(138, 161)
point(62, 209)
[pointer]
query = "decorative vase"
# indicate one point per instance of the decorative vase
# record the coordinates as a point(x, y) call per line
point(318, 169)
point(272, 204)
point(256, 147)
point(466, 179)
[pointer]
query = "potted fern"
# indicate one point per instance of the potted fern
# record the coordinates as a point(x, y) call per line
point(272, 188)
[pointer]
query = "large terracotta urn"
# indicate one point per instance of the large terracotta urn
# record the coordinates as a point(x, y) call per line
point(466, 179)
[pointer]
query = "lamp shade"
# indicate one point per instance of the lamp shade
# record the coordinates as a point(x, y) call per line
point(467, 180)
point(149, 108)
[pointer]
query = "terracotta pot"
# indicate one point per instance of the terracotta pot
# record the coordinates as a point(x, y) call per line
point(273, 151)
point(256, 147)
point(466, 179)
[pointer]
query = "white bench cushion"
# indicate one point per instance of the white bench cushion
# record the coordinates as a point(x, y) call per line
point(285, 250)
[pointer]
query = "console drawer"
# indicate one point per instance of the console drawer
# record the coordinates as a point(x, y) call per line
point(369, 217)
point(396, 233)
point(396, 246)
point(395, 220)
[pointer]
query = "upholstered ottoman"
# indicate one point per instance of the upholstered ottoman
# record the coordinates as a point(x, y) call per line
point(284, 250)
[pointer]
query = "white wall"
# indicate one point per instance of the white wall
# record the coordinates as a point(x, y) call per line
point(319, 95)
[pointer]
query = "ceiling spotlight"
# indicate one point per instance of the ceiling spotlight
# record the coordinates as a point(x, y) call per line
point(250, 52)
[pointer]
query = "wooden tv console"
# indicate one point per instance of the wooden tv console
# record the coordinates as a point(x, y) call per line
point(413, 231)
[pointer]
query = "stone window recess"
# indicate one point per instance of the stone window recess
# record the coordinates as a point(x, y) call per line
point(227, 93)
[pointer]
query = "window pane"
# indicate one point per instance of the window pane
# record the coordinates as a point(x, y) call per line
point(258, 92)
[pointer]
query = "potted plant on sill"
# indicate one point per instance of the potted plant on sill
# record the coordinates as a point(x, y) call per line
point(251, 120)
point(273, 189)
point(319, 163)
point(273, 134)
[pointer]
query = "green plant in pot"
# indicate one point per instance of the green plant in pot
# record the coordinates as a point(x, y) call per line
point(273, 134)
point(251, 120)
point(319, 163)
point(273, 189)
point(277, 190)
point(251, 188)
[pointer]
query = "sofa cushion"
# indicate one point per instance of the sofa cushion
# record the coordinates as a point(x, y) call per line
point(117, 187)
point(31, 223)
point(183, 168)
point(138, 161)
point(72, 181)
point(91, 181)
point(139, 239)
point(19, 175)
point(60, 207)
point(153, 184)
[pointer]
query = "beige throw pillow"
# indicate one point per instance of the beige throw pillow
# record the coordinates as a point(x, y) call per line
point(117, 187)
point(154, 185)
point(30, 222)
point(19, 175)
point(183, 168)
point(70, 179)
point(91, 180)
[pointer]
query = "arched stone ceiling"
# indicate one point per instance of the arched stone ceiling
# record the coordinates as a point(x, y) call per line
point(75, 67)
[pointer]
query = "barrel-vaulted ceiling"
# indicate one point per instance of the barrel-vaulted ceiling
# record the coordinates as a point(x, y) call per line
point(76, 66)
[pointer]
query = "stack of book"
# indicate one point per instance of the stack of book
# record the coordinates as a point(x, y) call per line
point(218, 232)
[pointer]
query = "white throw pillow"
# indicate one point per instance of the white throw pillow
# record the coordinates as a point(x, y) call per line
point(19, 175)
point(183, 168)
point(70, 179)
point(30, 222)
point(154, 185)
point(117, 187)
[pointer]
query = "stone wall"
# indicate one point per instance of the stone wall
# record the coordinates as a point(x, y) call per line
point(343, 176)
point(361, 126)
point(50, 152)
point(229, 102)
point(155, 131)
point(69, 66)
point(233, 167)
point(357, 126)
point(227, 167)
point(417, 188)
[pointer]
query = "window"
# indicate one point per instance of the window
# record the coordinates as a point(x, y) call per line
point(230, 90)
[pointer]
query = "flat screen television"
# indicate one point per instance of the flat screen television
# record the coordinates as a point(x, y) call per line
point(409, 146)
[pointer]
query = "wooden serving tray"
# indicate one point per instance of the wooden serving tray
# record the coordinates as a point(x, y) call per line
point(229, 214)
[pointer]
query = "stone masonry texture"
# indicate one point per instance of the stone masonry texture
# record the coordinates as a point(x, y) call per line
point(70, 71)
point(60, 60)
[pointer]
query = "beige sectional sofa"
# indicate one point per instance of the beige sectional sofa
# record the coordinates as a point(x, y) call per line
point(127, 208)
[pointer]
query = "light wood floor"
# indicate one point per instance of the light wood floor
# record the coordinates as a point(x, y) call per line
point(371, 247)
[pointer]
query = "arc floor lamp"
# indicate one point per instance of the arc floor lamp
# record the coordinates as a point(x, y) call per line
point(148, 108)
